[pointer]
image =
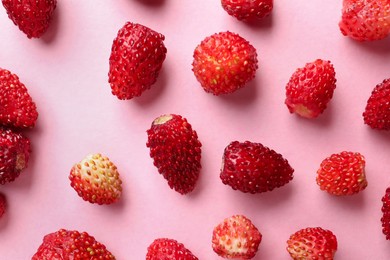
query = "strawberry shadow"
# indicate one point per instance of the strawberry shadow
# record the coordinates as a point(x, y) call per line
point(50, 35)
point(383, 136)
point(155, 91)
point(242, 97)
point(380, 47)
point(355, 202)
point(151, 3)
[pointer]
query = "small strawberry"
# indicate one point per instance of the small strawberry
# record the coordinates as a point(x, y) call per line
point(14, 154)
point(224, 63)
point(236, 237)
point(342, 174)
point(136, 59)
point(16, 106)
point(32, 17)
point(365, 20)
point(310, 89)
point(3, 204)
point(247, 10)
point(386, 214)
point(312, 243)
point(168, 249)
point(96, 179)
point(377, 112)
point(176, 151)
point(66, 244)
point(254, 168)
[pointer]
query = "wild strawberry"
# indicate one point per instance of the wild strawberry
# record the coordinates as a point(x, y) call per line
point(66, 244)
point(377, 112)
point(32, 17)
point(14, 155)
point(136, 59)
point(342, 174)
point(310, 89)
point(176, 151)
point(3, 204)
point(386, 214)
point(236, 237)
point(224, 63)
point(16, 106)
point(254, 168)
point(312, 243)
point(247, 10)
point(96, 179)
point(168, 249)
point(365, 20)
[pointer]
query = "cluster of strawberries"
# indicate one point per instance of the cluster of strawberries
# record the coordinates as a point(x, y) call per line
point(223, 63)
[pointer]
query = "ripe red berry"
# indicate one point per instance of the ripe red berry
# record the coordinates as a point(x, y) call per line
point(254, 168)
point(3, 204)
point(224, 63)
point(342, 174)
point(365, 20)
point(310, 89)
point(236, 237)
point(32, 17)
point(136, 59)
point(176, 151)
point(247, 10)
point(386, 214)
point(65, 244)
point(96, 179)
point(312, 243)
point(168, 249)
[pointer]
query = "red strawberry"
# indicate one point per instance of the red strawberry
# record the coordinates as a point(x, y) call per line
point(342, 174)
point(224, 63)
point(176, 151)
point(32, 17)
point(96, 179)
point(252, 167)
point(236, 237)
point(136, 59)
point(246, 10)
point(14, 155)
point(365, 20)
point(65, 244)
point(386, 214)
point(377, 112)
point(310, 89)
point(312, 243)
point(16, 106)
point(168, 249)
point(3, 204)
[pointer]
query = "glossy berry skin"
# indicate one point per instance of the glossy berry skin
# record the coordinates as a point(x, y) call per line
point(310, 89)
point(312, 243)
point(176, 151)
point(248, 10)
point(66, 244)
point(14, 154)
point(342, 174)
point(365, 20)
point(254, 168)
point(137, 55)
point(224, 62)
point(377, 112)
point(3, 204)
point(17, 109)
point(32, 17)
point(236, 237)
point(386, 214)
point(168, 249)
point(96, 179)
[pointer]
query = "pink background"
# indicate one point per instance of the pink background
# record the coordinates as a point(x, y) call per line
point(66, 73)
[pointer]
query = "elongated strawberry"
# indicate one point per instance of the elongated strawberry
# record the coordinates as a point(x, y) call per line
point(236, 237)
point(14, 154)
point(310, 89)
point(254, 168)
point(17, 108)
point(312, 243)
point(386, 214)
point(137, 55)
point(67, 244)
point(96, 179)
point(32, 17)
point(342, 174)
point(377, 112)
point(365, 20)
point(168, 249)
point(3, 204)
point(224, 62)
point(176, 151)
point(247, 10)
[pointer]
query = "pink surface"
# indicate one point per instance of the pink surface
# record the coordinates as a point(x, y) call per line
point(66, 73)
